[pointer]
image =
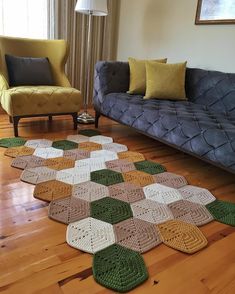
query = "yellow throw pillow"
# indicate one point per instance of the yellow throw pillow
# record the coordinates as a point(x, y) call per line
point(138, 75)
point(165, 81)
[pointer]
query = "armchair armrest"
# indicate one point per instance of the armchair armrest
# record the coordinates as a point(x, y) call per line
point(3, 83)
point(110, 77)
point(3, 86)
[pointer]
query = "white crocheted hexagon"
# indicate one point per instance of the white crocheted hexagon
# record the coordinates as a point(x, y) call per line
point(78, 138)
point(90, 235)
point(196, 194)
point(48, 152)
point(161, 193)
point(99, 139)
point(39, 143)
point(115, 147)
point(91, 164)
point(38, 175)
point(73, 176)
point(90, 191)
point(151, 211)
point(105, 154)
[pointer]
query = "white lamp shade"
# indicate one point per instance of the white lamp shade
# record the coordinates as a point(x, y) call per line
point(96, 7)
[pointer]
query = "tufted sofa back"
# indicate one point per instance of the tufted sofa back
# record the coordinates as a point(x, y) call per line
point(214, 89)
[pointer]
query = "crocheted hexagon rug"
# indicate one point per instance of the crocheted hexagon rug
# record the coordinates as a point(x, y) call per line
point(116, 203)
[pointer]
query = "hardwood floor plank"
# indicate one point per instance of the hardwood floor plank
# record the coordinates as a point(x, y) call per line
point(199, 273)
point(51, 289)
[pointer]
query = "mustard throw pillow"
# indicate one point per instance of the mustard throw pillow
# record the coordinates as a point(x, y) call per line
point(138, 75)
point(165, 81)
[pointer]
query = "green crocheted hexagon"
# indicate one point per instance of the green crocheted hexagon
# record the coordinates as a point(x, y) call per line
point(119, 268)
point(111, 210)
point(150, 167)
point(65, 145)
point(223, 212)
point(12, 142)
point(106, 177)
point(89, 132)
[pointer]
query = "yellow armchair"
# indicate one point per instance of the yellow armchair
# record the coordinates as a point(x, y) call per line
point(32, 101)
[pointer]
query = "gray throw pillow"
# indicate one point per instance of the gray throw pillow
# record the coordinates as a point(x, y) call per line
point(28, 71)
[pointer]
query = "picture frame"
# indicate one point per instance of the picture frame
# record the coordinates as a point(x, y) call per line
point(215, 12)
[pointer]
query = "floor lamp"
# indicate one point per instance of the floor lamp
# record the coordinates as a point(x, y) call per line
point(91, 8)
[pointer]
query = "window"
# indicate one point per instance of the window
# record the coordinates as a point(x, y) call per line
point(24, 18)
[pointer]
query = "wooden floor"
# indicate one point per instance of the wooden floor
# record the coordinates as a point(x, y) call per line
point(34, 257)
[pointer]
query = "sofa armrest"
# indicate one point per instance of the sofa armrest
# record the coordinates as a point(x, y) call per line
point(110, 77)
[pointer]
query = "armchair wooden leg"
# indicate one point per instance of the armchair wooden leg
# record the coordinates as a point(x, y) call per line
point(10, 119)
point(50, 118)
point(75, 122)
point(97, 116)
point(15, 124)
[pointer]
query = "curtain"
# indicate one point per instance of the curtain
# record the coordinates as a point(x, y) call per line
point(67, 24)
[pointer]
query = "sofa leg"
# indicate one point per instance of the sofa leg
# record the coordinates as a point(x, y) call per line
point(97, 116)
point(50, 118)
point(10, 120)
point(15, 125)
point(75, 122)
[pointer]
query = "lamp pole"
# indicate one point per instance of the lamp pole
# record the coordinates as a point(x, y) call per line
point(91, 8)
point(85, 117)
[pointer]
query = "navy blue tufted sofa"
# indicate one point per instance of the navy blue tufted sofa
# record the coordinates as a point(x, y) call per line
point(203, 126)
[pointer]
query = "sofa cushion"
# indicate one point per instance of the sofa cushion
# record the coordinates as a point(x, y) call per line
point(28, 71)
point(192, 127)
point(165, 81)
point(32, 100)
point(138, 74)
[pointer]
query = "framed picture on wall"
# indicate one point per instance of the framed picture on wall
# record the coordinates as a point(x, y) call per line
point(215, 12)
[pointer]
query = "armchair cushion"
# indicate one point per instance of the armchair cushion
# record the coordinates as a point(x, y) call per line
point(28, 71)
point(35, 100)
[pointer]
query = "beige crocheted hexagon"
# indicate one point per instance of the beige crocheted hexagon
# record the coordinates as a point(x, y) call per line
point(68, 210)
point(126, 192)
point(190, 212)
point(120, 165)
point(28, 161)
point(38, 175)
point(137, 235)
point(170, 179)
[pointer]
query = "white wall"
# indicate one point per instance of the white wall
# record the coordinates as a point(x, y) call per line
point(165, 28)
